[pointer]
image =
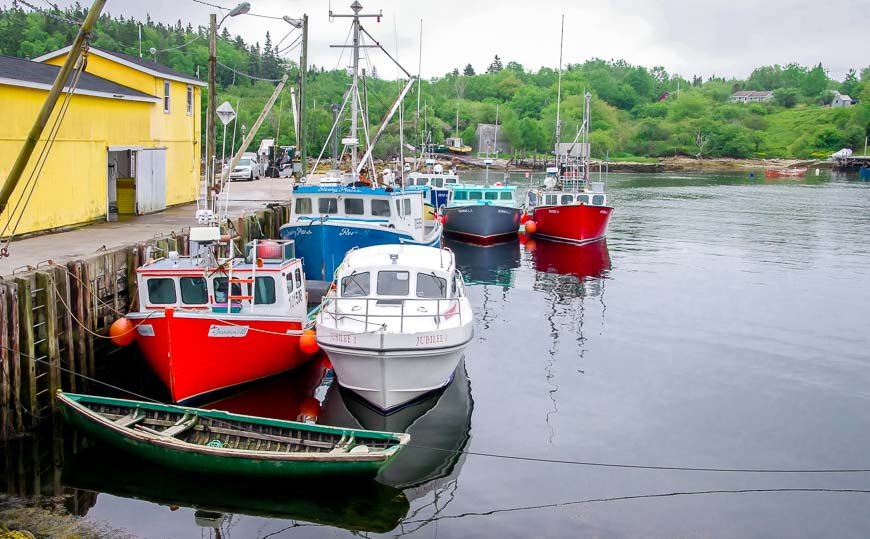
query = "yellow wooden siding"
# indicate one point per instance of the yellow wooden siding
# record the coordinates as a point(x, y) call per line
point(73, 185)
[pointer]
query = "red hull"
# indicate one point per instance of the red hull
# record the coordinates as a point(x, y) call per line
point(194, 354)
point(575, 223)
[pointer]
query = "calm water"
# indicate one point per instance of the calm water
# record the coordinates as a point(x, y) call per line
point(723, 324)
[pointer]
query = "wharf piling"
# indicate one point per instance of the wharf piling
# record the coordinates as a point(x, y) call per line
point(55, 318)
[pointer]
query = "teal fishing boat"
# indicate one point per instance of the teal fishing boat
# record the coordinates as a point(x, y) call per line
point(214, 441)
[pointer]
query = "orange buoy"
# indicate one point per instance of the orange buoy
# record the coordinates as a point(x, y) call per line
point(308, 342)
point(531, 227)
point(309, 408)
point(525, 218)
point(121, 332)
point(530, 245)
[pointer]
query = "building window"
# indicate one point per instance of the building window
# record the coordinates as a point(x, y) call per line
point(189, 100)
point(166, 104)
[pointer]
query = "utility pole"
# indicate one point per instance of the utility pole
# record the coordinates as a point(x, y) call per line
point(39, 124)
point(303, 72)
point(210, 128)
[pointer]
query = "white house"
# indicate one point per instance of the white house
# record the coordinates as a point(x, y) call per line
point(842, 100)
point(748, 96)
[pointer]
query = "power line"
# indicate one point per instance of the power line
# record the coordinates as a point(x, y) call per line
point(275, 17)
point(48, 14)
point(237, 72)
point(180, 46)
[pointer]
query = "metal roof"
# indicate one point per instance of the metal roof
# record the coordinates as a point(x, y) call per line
point(20, 72)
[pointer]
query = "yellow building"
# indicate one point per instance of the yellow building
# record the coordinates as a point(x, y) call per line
point(128, 143)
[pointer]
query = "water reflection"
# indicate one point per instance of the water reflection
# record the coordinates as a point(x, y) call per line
point(568, 270)
point(487, 264)
point(440, 428)
point(360, 506)
point(568, 273)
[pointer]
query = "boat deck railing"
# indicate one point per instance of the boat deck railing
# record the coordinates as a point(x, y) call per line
point(360, 309)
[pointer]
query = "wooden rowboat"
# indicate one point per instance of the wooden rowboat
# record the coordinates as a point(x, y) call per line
point(785, 172)
point(214, 441)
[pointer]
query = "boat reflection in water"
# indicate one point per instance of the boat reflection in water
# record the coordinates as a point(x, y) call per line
point(440, 429)
point(486, 264)
point(359, 506)
point(585, 266)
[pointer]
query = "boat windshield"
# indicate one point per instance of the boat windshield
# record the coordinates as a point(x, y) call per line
point(430, 285)
point(393, 283)
point(356, 285)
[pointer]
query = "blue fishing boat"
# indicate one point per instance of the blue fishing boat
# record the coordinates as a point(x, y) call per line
point(333, 214)
point(435, 184)
point(327, 221)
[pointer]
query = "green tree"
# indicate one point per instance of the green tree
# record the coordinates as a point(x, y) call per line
point(468, 71)
point(786, 97)
point(495, 66)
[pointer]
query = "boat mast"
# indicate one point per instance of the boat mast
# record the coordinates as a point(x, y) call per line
point(559, 93)
point(354, 106)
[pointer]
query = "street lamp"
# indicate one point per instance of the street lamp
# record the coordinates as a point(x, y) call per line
point(295, 23)
point(210, 144)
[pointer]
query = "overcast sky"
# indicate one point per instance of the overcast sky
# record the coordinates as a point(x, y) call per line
point(688, 37)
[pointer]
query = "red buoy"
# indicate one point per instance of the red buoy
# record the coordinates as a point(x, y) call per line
point(308, 342)
point(524, 219)
point(444, 219)
point(531, 227)
point(121, 332)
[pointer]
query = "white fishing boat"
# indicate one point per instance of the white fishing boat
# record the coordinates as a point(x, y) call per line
point(396, 322)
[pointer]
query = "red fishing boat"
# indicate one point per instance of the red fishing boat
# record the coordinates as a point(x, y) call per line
point(568, 206)
point(785, 172)
point(205, 324)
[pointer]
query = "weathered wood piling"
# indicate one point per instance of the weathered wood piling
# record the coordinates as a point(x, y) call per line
point(55, 318)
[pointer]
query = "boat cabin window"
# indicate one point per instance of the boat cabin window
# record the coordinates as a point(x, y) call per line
point(422, 181)
point(583, 199)
point(291, 286)
point(327, 205)
point(353, 206)
point(438, 182)
point(460, 195)
point(194, 290)
point(550, 199)
point(475, 195)
point(161, 291)
point(264, 293)
point(381, 208)
point(303, 206)
point(451, 181)
point(356, 285)
point(491, 195)
point(431, 286)
point(393, 283)
point(220, 289)
point(506, 195)
point(407, 206)
point(598, 200)
point(567, 199)
point(298, 277)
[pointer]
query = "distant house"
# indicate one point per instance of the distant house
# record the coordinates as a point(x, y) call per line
point(748, 96)
point(490, 141)
point(842, 100)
